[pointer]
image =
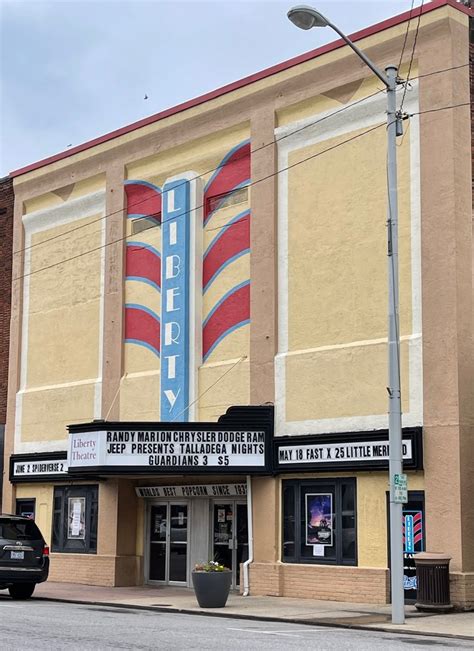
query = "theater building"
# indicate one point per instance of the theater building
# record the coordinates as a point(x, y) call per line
point(198, 349)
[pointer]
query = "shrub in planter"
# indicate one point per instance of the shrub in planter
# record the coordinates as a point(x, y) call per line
point(211, 582)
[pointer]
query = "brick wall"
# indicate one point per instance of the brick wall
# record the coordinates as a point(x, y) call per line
point(88, 569)
point(462, 590)
point(326, 582)
point(6, 238)
point(95, 569)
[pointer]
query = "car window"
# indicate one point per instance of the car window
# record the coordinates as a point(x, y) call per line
point(19, 530)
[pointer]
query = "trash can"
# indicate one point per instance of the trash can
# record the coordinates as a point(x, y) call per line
point(432, 582)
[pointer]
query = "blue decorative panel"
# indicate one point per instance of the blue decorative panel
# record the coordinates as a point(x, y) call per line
point(175, 297)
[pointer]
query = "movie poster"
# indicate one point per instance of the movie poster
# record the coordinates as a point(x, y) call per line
point(319, 528)
point(76, 518)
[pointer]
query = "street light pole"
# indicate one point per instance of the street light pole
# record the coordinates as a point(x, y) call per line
point(394, 389)
point(306, 17)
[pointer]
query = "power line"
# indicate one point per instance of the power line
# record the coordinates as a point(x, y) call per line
point(241, 359)
point(273, 142)
point(400, 144)
point(440, 108)
point(253, 183)
point(406, 34)
point(412, 56)
point(438, 72)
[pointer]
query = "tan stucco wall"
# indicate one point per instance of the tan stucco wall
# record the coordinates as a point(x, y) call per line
point(61, 335)
point(337, 277)
point(447, 271)
point(43, 494)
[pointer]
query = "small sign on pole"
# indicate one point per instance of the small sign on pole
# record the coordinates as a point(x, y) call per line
point(400, 488)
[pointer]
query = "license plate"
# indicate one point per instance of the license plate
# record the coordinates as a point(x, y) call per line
point(17, 555)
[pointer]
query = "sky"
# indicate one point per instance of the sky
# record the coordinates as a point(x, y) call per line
point(72, 71)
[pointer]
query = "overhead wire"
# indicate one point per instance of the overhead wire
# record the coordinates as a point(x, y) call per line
point(231, 368)
point(253, 183)
point(439, 108)
point(268, 144)
point(406, 34)
point(204, 174)
point(407, 81)
point(438, 72)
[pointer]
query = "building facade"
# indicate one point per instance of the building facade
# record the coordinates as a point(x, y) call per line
point(198, 357)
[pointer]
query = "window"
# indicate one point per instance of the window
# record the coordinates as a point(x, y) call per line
point(141, 224)
point(319, 521)
point(26, 507)
point(75, 519)
point(232, 198)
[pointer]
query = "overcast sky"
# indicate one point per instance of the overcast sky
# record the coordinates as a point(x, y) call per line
point(71, 71)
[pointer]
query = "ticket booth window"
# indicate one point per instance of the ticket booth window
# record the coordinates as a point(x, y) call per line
point(26, 507)
point(319, 521)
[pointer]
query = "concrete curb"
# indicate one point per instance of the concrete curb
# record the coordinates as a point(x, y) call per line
point(259, 618)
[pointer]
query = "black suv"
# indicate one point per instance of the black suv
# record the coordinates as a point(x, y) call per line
point(24, 556)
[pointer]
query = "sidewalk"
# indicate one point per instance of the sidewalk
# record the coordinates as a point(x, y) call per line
point(302, 611)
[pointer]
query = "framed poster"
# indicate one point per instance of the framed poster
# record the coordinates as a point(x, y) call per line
point(319, 524)
point(76, 529)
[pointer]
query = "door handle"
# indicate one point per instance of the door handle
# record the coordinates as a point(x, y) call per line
point(231, 543)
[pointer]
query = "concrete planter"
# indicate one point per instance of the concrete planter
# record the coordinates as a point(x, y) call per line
point(212, 588)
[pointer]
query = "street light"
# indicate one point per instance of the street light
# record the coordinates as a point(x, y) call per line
point(306, 17)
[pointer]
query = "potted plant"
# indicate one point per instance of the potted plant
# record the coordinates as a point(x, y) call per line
point(211, 582)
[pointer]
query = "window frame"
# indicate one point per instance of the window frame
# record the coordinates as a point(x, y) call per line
point(19, 501)
point(227, 199)
point(145, 223)
point(60, 543)
point(300, 485)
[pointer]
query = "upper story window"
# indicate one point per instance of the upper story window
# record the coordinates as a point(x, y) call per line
point(232, 198)
point(141, 224)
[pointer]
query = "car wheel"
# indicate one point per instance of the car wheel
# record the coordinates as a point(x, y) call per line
point(21, 590)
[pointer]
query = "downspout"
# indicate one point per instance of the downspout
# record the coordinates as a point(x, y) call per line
point(250, 534)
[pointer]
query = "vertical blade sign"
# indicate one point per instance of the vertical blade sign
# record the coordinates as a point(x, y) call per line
point(175, 301)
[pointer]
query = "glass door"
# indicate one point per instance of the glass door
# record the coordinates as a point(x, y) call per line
point(168, 543)
point(242, 539)
point(230, 536)
point(223, 520)
point(178, 543)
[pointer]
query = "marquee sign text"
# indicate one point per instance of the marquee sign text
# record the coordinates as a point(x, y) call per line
point(327, 453)
point(168, 449)
point(194, 490)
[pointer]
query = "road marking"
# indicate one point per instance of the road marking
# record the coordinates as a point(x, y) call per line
point(255, 630)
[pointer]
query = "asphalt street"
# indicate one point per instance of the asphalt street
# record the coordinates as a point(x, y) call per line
point(47, 625)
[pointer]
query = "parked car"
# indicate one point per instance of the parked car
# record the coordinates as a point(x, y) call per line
point(24, 556)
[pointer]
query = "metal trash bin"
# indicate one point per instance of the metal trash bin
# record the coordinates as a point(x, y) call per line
point(432, 580)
